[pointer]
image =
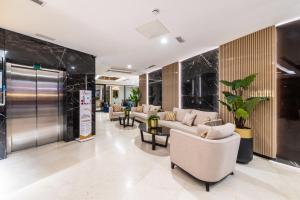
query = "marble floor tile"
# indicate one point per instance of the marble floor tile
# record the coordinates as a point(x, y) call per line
point(117, 165)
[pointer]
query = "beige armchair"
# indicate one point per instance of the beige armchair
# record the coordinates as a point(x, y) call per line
point(114, 115)
point(207, 160)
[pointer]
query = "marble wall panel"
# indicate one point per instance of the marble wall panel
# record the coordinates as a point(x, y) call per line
point(199, 81)
point(79, 68)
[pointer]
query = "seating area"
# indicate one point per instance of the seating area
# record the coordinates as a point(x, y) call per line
point(146, 100)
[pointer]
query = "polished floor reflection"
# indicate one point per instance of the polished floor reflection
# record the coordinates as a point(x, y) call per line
point(116, 165)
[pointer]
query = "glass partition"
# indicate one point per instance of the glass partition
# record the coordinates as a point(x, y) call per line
point(288, 82)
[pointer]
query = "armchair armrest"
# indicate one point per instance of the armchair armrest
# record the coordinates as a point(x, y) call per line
point(215, 122)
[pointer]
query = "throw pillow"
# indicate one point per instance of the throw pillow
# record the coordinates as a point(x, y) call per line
point(117, 108)
point(170, 116)
point(220, 132)
point(180, 113)
point(146, 108)
point(154, 108)
point(203, 116)
point(139, 109)
point(189, 119)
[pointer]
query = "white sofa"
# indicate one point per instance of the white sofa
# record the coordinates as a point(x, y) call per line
point(148, 110)
point(208, 160)
point(212, 120)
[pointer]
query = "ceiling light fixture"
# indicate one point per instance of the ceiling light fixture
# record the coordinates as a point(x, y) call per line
point(129, 66)
point(164, 40)
point(73, 67)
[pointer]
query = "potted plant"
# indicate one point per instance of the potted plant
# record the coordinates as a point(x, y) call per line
point(135, 96)
point(153, 121)
point(126, 111)
point(241, 107)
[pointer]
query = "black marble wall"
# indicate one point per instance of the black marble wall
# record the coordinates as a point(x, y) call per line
point(79, 68)
point(2, 108)
point(199, 81)
point(155, 88)
point(288, 96)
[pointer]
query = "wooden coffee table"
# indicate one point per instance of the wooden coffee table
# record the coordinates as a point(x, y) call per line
point(125, 120)
point(159, 131)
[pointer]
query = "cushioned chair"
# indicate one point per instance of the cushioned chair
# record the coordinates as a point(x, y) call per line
point(207, 160)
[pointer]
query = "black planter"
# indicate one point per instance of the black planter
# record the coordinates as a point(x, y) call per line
point(245, 154)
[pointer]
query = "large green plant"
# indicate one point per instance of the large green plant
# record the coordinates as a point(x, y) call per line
point(135, 96)
point(241, 107)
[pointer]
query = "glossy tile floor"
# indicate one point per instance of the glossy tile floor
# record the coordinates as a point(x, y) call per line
point(117, 166)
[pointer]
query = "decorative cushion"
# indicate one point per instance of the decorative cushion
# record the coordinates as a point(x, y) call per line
point(180, 113)
point(139, 109)
point(189, 119)
point(220, 132)
point(170, 116)
point(145, 108)
point(201, 117)
point(117, 108)
point(154, 108)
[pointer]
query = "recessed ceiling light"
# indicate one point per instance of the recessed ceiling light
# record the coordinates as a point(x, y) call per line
point(72, 67)
point(155, 11)
point(163, 40)
point(129, 66)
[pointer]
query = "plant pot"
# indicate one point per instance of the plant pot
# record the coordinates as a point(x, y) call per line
point(126, 112)
point(153, 123)
point(245, 154)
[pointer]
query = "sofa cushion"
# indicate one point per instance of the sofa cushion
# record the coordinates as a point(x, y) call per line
point(220, 132)
point(178, 126)
point(140, 115)
point(146, 108)
point(203, 116)
point(117, 113)
point(139, 109)
point(189, 119)
point(154, 108)
point(117, 108)
point(170, 116)
point(180, 113)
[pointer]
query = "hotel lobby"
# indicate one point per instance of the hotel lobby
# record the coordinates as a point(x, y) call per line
point(149, 100)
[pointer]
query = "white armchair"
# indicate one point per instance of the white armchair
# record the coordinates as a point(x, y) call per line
point(207, 160)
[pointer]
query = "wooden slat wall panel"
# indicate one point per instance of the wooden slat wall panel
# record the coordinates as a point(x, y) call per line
point(254, 53)
point(143, 89)
point(170, 86)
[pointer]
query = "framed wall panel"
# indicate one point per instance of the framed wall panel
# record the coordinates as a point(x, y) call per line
point(254, 53)
point(143, 88)
point(170, 77)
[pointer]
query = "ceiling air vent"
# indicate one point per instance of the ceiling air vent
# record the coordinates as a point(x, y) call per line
point(119, 71)
point(44, 37)
point(180, 39)
point(150, 66)
point(39, 2)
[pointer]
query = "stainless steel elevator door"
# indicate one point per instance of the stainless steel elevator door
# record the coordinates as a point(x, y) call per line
point(34, 107)
point(21, 108)
point(47, 107)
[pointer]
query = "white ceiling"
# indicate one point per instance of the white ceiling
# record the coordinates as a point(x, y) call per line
point(107, 29)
